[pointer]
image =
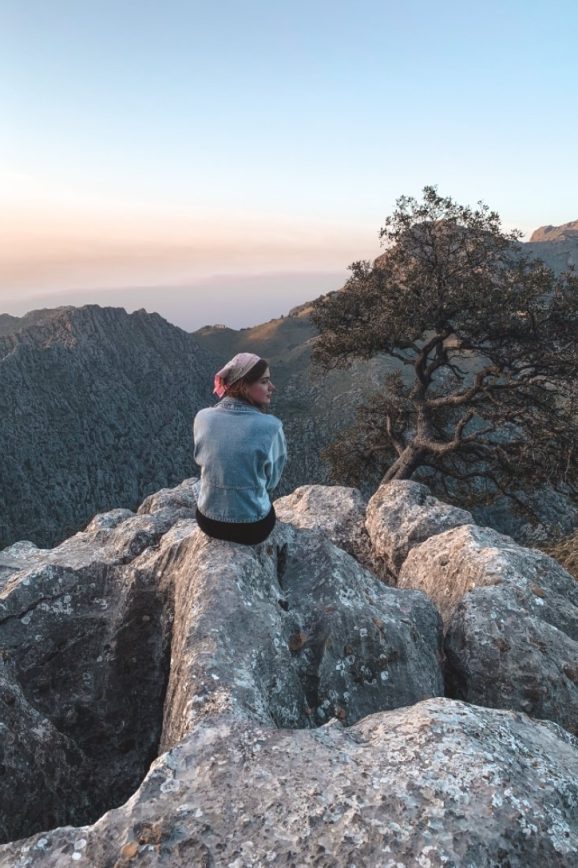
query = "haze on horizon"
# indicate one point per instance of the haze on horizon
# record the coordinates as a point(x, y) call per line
point(225, 163)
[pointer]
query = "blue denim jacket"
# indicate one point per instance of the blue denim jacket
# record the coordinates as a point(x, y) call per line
point(241, 452)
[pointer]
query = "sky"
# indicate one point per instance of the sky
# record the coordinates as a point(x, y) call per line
point(223, 162)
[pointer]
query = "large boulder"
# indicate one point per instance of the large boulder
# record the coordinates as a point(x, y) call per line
point(439, 783)
point(450, 564)
point(336, 510)
point(402, 514)
point(85, 631)
point(292, 632)
point(511, 615)
point(180, 501)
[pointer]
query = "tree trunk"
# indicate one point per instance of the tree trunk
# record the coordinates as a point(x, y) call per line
point(404, 466)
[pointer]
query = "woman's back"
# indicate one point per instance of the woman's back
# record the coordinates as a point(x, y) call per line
point(241, 452)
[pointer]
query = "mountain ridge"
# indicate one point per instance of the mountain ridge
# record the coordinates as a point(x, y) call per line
point(97, 405)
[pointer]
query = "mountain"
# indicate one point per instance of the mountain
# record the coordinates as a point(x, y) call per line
point(565, 232)
point(96, 408)
point(556, 245)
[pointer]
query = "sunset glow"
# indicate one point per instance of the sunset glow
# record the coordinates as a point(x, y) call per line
point(184, 144)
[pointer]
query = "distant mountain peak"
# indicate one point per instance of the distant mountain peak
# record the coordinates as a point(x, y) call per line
point(565, 232)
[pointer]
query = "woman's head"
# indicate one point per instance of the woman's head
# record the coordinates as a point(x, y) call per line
point(246, 376)
point(255, 387)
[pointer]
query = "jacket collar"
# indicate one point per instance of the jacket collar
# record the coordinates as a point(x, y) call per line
point(236, 404)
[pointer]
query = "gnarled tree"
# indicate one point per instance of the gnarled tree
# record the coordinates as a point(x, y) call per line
point(483, 399)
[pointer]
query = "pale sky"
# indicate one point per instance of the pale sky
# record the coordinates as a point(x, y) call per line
point(223, 162)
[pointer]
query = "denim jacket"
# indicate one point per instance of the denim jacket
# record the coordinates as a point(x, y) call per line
point(241, 452)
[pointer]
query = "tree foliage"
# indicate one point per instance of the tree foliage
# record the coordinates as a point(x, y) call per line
point(484, 339)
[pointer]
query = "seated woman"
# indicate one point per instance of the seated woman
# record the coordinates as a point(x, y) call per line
point(241, 451)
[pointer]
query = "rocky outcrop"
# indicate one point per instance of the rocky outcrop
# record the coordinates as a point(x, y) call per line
point(291, 634)
point(439, 783)
point(85, 632)
point(292, 696)
point(510, 613)
point(402, 514)
point(337, 511)
point(140, 612)
point(514, 644)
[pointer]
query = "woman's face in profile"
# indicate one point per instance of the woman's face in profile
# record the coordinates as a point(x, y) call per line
point(262, 390)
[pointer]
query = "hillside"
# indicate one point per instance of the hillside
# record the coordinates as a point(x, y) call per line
point(96, 408)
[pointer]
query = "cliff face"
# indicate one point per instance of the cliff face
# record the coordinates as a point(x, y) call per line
point(96, 408)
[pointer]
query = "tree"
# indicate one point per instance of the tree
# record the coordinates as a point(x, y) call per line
point(483, 399)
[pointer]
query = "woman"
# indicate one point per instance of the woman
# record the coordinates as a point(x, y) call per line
point(241, 451)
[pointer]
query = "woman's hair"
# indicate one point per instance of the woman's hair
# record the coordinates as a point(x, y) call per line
point(238, 389)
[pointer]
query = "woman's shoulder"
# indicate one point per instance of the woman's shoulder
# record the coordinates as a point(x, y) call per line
point(274, 422)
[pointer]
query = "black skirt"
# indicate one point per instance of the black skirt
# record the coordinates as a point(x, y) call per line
point(247, 533)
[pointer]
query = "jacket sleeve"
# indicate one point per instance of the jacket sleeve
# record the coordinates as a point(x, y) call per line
point(276, 459)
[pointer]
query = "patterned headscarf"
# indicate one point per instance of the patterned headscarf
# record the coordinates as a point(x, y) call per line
point(236, 368)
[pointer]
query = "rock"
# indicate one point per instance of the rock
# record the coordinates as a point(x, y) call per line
point(565, 232)
point(84, 638)
point(402, 514)
point(511, 615)
point(181, 497)
point(265, 652)
point(439, 783)
point(88, 627)
point(449, 564)
point(115, 537)
point(336, 510)
point(45, 776)
point(291, 633)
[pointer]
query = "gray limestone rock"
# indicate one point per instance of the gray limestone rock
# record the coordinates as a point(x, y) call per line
point(286, 634)
point(84, 639)
point(181, 497)
point(402, 514)
point(449, 564)
point(241, 665)
point(335, 510)
point(292, 632)
point(511, 615)
point(439, 783)
point(46, 779)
